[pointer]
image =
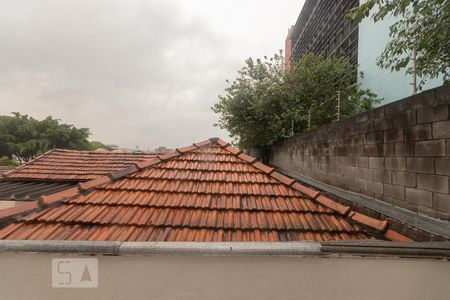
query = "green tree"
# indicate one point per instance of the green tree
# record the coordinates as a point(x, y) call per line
point(313, 87)
point(423, 25)
point(94, 145)
point(264, 104)
point(24, 137)
point(6, 161)
point(251, 109)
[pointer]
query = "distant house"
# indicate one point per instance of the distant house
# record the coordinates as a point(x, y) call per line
point(59, 169)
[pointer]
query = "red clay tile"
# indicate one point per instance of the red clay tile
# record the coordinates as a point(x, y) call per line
point(169, 155)
point(247, 158)
point(266, 169)
point(50, 199)
point(122, 173)
point(282, 178)
point(369, 221)
point(85, 186)
point(342, 209)
point(18, 210)
point(147, 163)
point(222, 143)
point(202, 144)
point(395, 236)
point(305, 190)
point(233, 150)
point(186, 149)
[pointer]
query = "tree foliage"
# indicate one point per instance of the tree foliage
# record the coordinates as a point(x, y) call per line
point(6, 161)
point(94, 145)
point(251, 110)
point(265, 104)
point(24, 137)
point(422, 24)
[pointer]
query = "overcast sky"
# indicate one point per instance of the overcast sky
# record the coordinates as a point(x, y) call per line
point(135, 72)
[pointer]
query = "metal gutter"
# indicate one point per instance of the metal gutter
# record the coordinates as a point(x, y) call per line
point(428, 224)
point(373, 248)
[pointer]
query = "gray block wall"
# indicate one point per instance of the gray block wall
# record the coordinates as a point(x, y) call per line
point(398, 153)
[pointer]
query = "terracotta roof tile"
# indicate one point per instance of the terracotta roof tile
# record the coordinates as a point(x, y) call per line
point(233, 150)
point(305, 190)
point(71, 165)
point(5, 169)
point(208, 192)
point(85, 186)
point(282, 178)
point(266, 169)
point(50, 199)
point(186, 149)
point(222, 143)
point(204, 143)
point(247, 158)
point(169, 155)
point(342, 209)
point(369, 221)
point(395, 236)
point(18, 209)
point(147, 163)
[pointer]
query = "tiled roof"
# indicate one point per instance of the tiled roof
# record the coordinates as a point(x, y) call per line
point(72, 165)
point(4, 169)
point(209, 191)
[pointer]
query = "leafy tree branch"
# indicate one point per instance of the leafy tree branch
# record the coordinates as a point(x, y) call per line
point(265, 104)
point(24, 137)
point(423, 25)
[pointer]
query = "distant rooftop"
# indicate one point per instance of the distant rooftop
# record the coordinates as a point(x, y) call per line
point(4, 169)
point(60, 169)
point(72, 165)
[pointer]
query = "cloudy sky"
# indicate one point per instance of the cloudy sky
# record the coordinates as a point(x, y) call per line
point(137, 73)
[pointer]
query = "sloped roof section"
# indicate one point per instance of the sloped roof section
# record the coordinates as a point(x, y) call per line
point(72, 165)
point(207, 192)
point(4, 169)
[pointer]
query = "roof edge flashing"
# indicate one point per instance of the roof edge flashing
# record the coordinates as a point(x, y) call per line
point(368, 248)
point(81, 247)
point(221, 248)
point(162, 248)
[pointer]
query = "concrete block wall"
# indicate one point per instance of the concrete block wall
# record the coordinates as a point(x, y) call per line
point(398, 153)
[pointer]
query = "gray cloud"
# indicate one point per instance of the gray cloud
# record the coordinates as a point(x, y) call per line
point(135, 72)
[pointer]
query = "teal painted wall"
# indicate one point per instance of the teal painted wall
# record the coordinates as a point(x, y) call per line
point(391, 86)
